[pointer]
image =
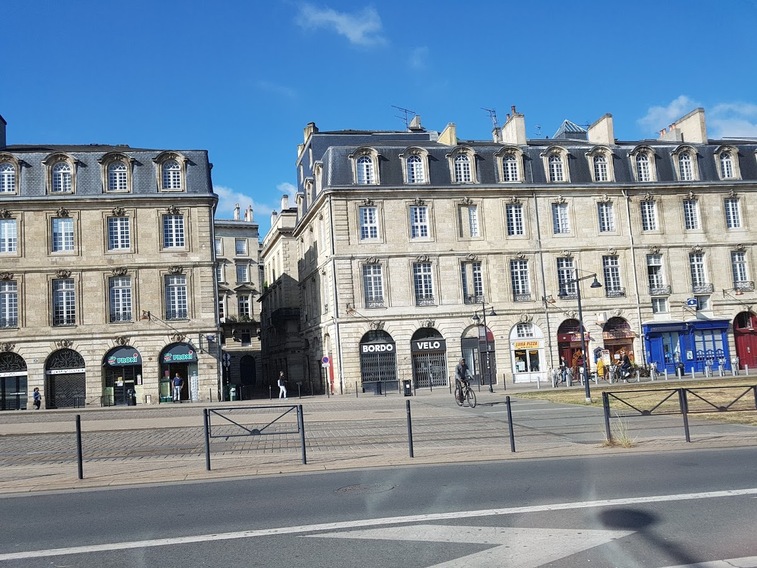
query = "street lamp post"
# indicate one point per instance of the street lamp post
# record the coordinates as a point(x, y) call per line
point(484, 334)
point(594, 284)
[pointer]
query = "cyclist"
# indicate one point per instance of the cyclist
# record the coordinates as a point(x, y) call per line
point(461, 379)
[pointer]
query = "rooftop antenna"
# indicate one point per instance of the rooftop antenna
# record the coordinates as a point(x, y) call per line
point(538, 129)
point(406, 113)
point(492, 115)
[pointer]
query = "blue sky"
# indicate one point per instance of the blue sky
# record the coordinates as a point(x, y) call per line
point(241, 78)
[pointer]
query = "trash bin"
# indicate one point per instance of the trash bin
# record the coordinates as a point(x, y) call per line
point(233, 392)
point(407, 387)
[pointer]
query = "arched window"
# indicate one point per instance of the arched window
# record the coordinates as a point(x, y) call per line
point(556, 172)
point(600, 168)
point(62, 180)
point(415, 171)
point(117, 176)
point(463, 169)
point(685, 171)
point(510, 168)
point(365, 173)
point(7, 178)
point(643, 171)
point(171, 175)
point(726, 165)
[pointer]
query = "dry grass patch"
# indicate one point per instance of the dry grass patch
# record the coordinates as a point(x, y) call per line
point(705, 399)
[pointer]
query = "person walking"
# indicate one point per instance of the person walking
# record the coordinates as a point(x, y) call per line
point(282, 385)
point(178, 382)
point(37, 398)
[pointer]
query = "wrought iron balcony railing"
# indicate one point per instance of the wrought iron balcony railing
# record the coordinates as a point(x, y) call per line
point(618, 292)
point(522, 297)
point(660, 290)
point(425, 300)
point(708, 288)
point(744, 285)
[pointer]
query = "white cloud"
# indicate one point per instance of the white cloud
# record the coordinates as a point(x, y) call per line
point(418, 58)
point(659, 117)
point(280, 90)
point(360, 28)
point(228, 199)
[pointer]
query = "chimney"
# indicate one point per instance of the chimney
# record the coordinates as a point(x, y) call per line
point(514, 130)
point(415, 125)
point(248, 214)
point(274, 216)
point(448, 137)
point(284, 202)
point(3, 124)
point(236, 211)
point(602, 132)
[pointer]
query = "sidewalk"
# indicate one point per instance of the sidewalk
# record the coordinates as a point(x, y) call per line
point(166, 443)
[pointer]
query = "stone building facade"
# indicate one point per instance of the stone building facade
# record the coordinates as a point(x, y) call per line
point(107, 285)
point(417, 248)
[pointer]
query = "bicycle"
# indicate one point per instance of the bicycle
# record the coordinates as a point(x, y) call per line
point(465, 393)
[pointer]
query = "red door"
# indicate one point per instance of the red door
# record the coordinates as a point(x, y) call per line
point(745, 335)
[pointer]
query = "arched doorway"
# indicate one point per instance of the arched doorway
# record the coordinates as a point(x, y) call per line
point(122, 377)
point(428, 350)
point(617, 336)
point(181, 359)
point(569, 339)
point(745, 336)
point(527, 352)
point(13, 382)
point(378, 362)
point(65, 380)
point(478, 350)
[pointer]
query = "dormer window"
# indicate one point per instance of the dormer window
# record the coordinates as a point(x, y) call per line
point(643, 164)
point(509, 162)
point(685, 160)
point(61, 176)
point(365, 166)
point(600, 165)
point(462, 165)
point(556, 165)
point(8, 174)
point(414, 165)
point(116, 172)
point(171, 171)
point(727, 162)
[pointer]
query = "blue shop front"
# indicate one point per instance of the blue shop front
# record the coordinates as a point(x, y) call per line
point(695, 344)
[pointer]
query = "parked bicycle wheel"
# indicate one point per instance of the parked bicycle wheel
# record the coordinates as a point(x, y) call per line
point(471, 396)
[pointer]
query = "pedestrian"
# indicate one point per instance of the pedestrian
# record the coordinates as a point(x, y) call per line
point(37, 398)
point(461, 377)
point(563, 369)
point(282, 385)
point(601, 369)
point(178, 382)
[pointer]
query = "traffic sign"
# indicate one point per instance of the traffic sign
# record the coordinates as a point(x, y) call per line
point(692, 302)
point(325, 360)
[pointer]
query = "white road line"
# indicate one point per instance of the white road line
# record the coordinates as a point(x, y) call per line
point(345, 525)
point(745, 562)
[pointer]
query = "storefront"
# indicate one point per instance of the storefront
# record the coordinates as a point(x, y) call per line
point(695, 345)
point(378, 362)
point(617, 336)
point(569, 341)
point(122, 377)
point(745, 338)
point(181, 359)
point(65, 380)
point(479, 351)
point(14, 393)
point(527, 353)
point(428, 350)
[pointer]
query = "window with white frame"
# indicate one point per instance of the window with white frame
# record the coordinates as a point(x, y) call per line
point(173, 231)
point(524, 330)
point(703, 302)
point(416, 170)
point(726, 165)
point(649, 215)
point(600, 168)
point(611, 272)
point(560, 220)
point(64, 302)
point(171, 175)
point(520, 279)
point(243, 273)
point(8, 303)
point(566, 284)
point(739, 267)
point(468, 221)
point(120, 298)
point(463, 172)
point(423, 284)
point(119, 236)
point(655, 274)
point(176, 297)
point(62, 178)
point(8, 236)
point(419, 226)
point(691, 214)
point(606, 213)
point(472, 282)
point(732, 213)
point(685, 167)
point(219, 245)
point(368, 223)
point(643, 167)
point(221, 307)
point(556, 168)
point(510, 170)
point(243, 306)
point(240, 247)
point(63, 234)
point(7, 177)
point(220, 272)
point(365, 171)
point(118, 176)
point(660, 306)
point(697, 269)
point(373, 285)
point(514, 214)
